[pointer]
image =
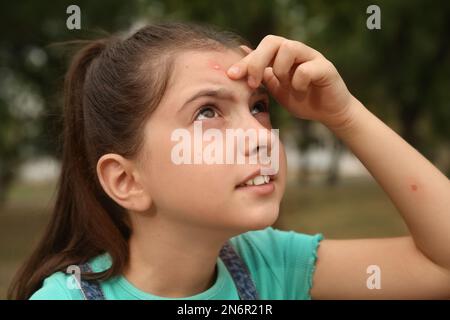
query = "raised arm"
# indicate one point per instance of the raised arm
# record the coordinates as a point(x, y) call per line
point(308, 85)
point(410, 267)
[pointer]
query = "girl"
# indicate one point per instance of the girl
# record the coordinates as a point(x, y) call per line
point(138, 226)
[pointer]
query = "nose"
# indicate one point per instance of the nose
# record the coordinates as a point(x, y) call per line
point(257, 140)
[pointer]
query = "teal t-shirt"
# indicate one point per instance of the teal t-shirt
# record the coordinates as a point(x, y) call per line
point(281, 264)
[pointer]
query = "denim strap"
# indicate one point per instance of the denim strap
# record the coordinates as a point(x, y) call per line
point(239, 272)
point(90, 289)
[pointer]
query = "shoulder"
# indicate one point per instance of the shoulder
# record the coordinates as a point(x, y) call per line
point(57, 287)
point(277, 239)
point(278, 244)
point(62, 286)
point(287, 256)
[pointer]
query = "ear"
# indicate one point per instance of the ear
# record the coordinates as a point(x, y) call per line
point(121, 181)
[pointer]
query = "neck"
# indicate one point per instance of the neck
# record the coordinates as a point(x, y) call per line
point(172, 259)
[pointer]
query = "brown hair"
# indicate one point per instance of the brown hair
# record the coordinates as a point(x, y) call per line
point(112, 86)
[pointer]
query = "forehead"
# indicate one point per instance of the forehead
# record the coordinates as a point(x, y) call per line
point(192, 68)
point(206, 59)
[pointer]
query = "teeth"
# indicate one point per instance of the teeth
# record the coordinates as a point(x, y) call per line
point(258, 180)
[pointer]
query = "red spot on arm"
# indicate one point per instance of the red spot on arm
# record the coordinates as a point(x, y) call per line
point(413, 187)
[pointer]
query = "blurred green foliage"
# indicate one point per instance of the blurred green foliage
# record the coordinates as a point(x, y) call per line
point(400, 72)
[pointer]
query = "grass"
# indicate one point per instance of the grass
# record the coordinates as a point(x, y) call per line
point(22, 221)
point(355, 208)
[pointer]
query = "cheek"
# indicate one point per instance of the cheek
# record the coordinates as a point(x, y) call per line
point(164, 176)
point(198, 194)
point(203, 193)
point(198, 181)
point(188, 185)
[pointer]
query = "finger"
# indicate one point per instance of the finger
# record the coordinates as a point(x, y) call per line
point(301, 78)
point(246, 49)
point(316, 71)
point(254, 63)
point(271, 81)
point(261, 58)
point(291, 51)
point(266, 54)
point(283, 63)
point(290, 54)
point(237, 71)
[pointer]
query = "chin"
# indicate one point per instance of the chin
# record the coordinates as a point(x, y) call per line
point(259, 218)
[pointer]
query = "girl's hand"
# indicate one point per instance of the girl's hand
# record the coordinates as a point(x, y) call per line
point(414, 267)
point(300, 78)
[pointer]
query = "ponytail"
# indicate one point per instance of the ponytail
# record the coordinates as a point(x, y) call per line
point(85, 222)
point(111, 88)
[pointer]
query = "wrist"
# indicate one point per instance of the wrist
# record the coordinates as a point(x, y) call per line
point(347, 120)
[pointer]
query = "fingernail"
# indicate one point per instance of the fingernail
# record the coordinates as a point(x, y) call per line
point(234, 70)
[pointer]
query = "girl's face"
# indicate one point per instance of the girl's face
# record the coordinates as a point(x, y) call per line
point(207, 195)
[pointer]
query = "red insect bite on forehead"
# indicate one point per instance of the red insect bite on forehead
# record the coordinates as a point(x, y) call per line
point(215, 65)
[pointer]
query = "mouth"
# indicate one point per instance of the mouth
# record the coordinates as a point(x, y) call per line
point(261, 184)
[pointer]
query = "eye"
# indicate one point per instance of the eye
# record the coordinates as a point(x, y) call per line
point(206, 112)
point(261, 105)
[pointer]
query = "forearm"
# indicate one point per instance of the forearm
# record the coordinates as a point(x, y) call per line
point(418, 189)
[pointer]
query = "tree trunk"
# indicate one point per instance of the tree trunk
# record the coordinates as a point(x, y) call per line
point(333, 169)
point(304, 141)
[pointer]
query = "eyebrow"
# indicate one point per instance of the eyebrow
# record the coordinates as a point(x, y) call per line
point(222, 93)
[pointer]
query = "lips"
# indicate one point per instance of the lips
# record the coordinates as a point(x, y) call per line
point(255, 178)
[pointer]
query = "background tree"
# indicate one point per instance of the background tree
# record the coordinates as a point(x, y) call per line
point(400, 72)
